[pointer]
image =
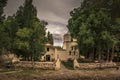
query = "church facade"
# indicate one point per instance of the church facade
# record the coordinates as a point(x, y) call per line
point(69, 50)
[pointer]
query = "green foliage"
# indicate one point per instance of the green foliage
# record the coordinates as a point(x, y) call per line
point(93, 26)
point(112, 5)
point(3, 39)
point(85, 61)
point(31, 34)
point(23, 33)
point(49, 37)
point(26, 14)
point(68, 64)
point(2, 5)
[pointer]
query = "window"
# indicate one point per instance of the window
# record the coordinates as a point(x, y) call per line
point(47, 49)
point(74, 52)
point(69, 52)
point(72, 48)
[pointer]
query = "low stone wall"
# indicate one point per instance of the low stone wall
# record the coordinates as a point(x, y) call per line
point(38, 65)
point(96, 65)
point(93, 65)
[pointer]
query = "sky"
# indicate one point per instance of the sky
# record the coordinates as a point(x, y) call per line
point(55, 12)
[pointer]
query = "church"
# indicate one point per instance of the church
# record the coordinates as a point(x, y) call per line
point(69, 50)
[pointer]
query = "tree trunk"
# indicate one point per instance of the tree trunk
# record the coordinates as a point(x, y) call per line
point(112, 54)
point(108, 52)
point(99, 55)
point(93, 54)
point(3, 50)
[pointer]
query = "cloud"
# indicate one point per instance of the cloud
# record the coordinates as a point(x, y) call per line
point(56, 13)
point(12, 6)
point(56, 29)
point(58, 39)
point(57, 9)
point(51, 17)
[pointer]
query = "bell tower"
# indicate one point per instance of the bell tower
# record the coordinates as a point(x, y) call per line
point(67, 41)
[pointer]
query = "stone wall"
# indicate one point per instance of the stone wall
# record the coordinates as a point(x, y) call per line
point(93, 65)
point(38, 65)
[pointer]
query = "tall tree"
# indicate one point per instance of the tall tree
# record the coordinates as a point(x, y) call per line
point(2, 33)
point(95, 27)
point(31, 35)
point(49, 37)
point(2, 5)
point(10, 28)
point(26, 14)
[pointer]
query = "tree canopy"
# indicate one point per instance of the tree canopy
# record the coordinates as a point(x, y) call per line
point(49, 38)
point(23, 33)
point(96, 28)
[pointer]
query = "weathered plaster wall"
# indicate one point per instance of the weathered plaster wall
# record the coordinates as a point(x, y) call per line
point(63, 56)
point(51, 52)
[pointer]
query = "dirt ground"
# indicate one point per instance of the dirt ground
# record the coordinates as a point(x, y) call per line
point(64, 74)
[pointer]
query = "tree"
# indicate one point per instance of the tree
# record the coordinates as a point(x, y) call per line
point(2, 5)
point(49, 37)
point(92, 25)
point(3, 39)
point(31, 33)
point(26, 14)
point(86, 38)
point(112, 5)
point(89, 23)
point(23, 33)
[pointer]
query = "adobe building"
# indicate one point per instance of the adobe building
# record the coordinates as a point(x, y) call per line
point(69, 50)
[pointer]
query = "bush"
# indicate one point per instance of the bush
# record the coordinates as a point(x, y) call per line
point(85, 61)
point(68, 64)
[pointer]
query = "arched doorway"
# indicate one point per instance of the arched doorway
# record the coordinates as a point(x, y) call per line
point(47, 57)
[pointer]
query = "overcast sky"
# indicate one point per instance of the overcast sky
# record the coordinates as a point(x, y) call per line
point(55, 12)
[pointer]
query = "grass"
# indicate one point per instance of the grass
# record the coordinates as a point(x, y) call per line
point(85, 61)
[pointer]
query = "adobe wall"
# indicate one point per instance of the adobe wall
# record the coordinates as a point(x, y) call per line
point(51, 52)
point(73, 56)
point(63, 56)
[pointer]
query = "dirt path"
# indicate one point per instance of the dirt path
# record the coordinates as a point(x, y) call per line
point(63, 67)
point(62, 75)
point(10, 72)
